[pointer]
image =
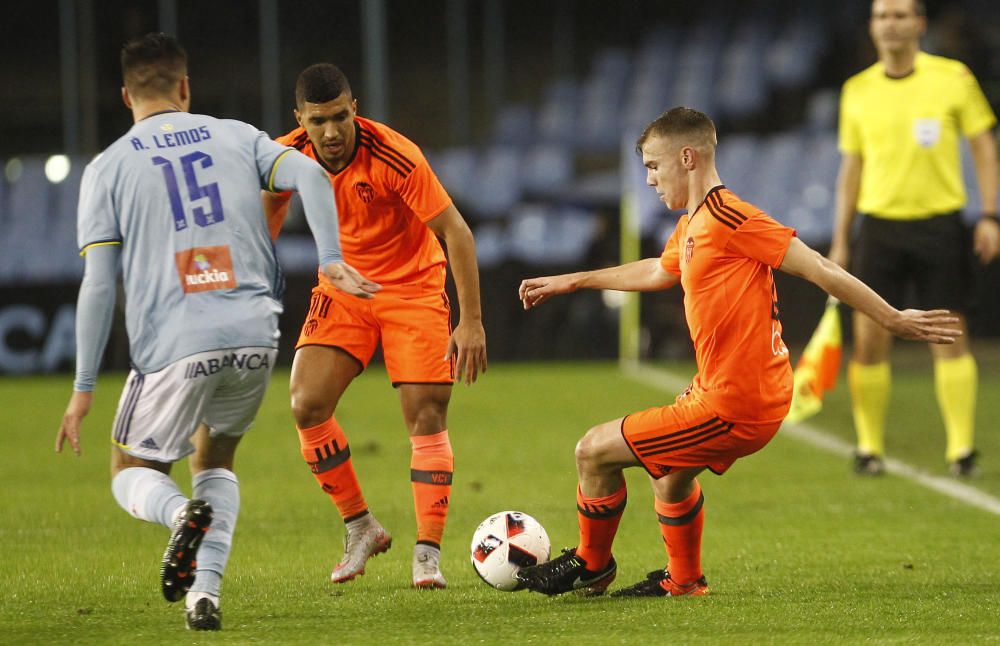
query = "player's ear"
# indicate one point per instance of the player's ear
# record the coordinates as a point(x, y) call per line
point(688, 156)
point(126, 99)
point(298, 116)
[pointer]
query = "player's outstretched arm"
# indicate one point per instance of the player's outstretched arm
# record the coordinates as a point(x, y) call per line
point(640, 276)
point(934, 326)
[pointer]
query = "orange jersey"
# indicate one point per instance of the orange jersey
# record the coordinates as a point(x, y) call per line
point(385, 196)
point(724, 253)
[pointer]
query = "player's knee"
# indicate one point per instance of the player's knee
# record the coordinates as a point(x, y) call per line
point(428, 419)
point(588, 454)
point(310, 410)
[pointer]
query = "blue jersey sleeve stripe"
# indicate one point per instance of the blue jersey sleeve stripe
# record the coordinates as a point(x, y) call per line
point(274, 169)
point(99, 243)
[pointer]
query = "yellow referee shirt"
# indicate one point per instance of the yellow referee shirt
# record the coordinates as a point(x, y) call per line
point(907, 134)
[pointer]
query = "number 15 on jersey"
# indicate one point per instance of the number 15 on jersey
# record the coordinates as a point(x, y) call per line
point(196, 191)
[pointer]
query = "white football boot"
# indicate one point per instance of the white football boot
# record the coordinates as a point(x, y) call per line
point(364, 539)
point(427, 568)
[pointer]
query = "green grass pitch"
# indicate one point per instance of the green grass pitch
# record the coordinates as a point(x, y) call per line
point(796, 549)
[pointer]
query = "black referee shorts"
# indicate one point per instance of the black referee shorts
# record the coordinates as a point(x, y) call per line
point(921, 263)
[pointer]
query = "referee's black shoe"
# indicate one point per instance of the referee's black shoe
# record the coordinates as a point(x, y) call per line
point(177, 570)
point(965, 467)
point(868, 465)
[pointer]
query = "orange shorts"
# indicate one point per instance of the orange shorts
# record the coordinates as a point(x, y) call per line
point(414, 330)
point(689, 434)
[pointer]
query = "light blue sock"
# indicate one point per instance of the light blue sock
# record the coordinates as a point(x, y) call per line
point(148, 495)
point(221, 489)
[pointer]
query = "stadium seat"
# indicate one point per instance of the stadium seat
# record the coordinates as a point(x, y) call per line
point(546, 170)
point(698, 65)
point(456, 168)
point(822, 110)
point(514, 124)
point(491, 244)
point(600, 119)
point(545, 235)
point(737, 157)
point(649, 95)
point(777, 172)
point(792, 60)
point(818, 185)
point(557, 119)
point(742, 86)
point(496, 183)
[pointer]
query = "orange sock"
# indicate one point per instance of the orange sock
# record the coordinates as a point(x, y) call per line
point(431, 466)
point(599, 519)
point(325, 450)
point(681, 524)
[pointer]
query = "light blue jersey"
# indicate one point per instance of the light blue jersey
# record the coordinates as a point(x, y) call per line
point(180, 193)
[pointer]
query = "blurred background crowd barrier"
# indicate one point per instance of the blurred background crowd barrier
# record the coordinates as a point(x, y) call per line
point(527, 111)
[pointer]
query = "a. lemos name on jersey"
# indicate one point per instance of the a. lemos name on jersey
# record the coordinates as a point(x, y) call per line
point(206, 367)
point(170, 139)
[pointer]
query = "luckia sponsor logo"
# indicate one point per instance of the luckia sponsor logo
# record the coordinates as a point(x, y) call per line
point(207, 274)
point(205, 268)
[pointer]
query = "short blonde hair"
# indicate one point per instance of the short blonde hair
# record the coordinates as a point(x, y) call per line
point(693, 126)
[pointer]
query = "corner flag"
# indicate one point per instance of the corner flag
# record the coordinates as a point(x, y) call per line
point(816, 371)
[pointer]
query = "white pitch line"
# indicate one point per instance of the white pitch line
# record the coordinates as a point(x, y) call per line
point(822, 440)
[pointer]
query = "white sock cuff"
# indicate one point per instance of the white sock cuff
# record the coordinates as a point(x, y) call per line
point(194, 596)
point(214, 474)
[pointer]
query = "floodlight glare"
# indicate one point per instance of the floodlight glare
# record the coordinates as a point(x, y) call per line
point(57, 168)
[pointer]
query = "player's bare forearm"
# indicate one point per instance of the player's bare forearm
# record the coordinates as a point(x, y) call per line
point(468, 341)
point(848, 187)
point(646, 275)
point(984, 157)
point(640, 276)
point(935, 326)
point(462, 258)
point(986, 235)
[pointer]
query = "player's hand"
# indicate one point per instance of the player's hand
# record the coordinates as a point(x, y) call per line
point(79, 406)
point(934, 326)
point(468, 346)
point(839, 253)
point(535, 291)
point(348, 280)
point(986, 239)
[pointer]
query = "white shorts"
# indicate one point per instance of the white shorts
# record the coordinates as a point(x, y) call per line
point(159, 412)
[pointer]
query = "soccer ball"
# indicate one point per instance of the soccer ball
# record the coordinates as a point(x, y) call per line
point(506, 542)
